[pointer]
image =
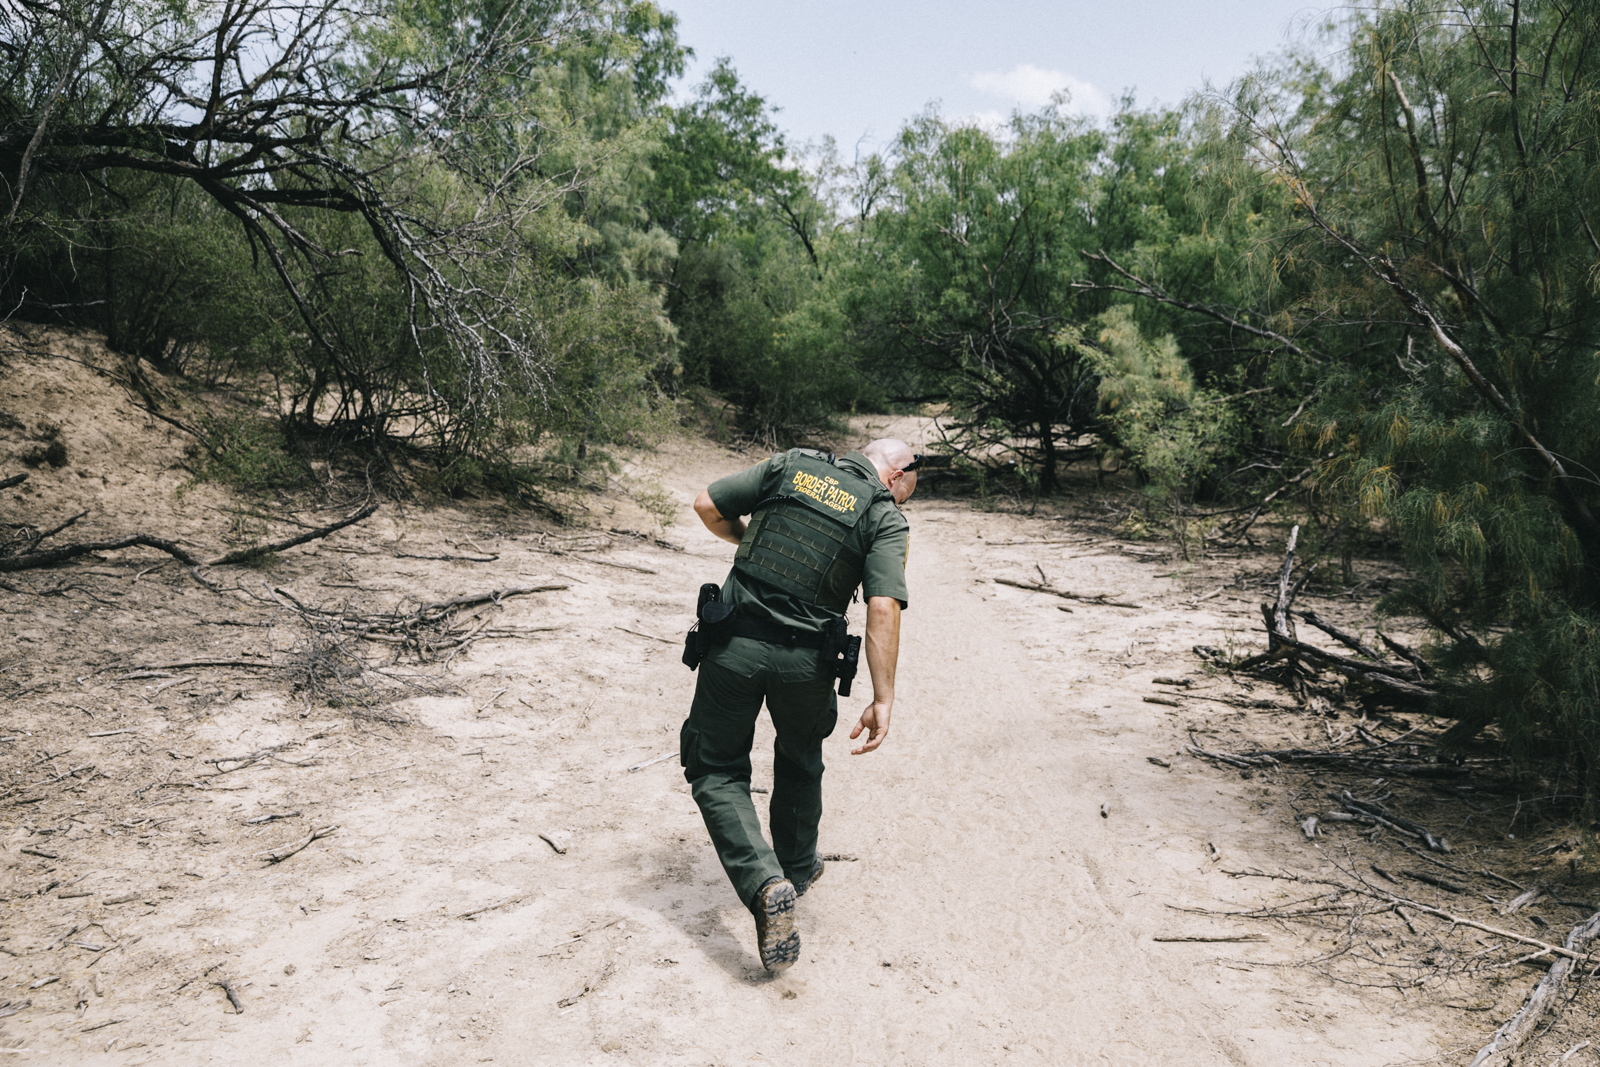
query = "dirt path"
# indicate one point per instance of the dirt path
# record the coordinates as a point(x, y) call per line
point(988, 912)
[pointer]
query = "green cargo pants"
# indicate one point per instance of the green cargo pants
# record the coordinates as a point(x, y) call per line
point(714, 746)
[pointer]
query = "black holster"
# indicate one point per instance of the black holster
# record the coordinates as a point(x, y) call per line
point(711, 615)
point(843, 652)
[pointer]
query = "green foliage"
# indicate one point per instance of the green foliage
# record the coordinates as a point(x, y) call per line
point(1170, 431)
point(757, 314)
point(960, 279)
point(249, 452)
point(1425, 236)
point(453, 264)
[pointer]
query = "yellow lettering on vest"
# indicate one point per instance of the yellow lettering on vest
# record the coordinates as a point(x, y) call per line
point(825, 491)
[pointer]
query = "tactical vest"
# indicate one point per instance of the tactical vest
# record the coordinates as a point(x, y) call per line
point(800, 540)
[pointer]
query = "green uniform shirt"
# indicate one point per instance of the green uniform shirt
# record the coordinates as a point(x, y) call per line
point(884, 532)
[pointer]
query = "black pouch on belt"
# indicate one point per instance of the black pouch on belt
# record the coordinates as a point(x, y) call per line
point(710, 614)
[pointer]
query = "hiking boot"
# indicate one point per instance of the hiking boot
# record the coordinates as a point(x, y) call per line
point(776, 938)
point(801, 885)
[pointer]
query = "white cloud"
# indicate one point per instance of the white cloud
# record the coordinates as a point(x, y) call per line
point(989, 120)
point(1030, 87)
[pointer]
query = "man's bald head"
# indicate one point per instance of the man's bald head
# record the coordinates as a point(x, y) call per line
point(890, 456)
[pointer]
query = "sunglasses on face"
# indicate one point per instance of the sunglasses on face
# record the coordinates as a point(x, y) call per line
point(916, 461)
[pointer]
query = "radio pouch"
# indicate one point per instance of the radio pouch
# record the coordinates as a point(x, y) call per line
point(710, 614)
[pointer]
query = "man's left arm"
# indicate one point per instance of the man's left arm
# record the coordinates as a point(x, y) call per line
point(883, 586)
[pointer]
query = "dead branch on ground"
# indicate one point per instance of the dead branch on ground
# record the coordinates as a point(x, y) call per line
point(1405, 683)
point(1101, 599)
point(246, 555)
point(426, 630)
point(1503, 1047)
point(1354, 906)
point(23, 552)
point(278, 855)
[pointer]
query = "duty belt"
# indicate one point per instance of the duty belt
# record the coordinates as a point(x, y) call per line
point(772, 633)
point(717, 621)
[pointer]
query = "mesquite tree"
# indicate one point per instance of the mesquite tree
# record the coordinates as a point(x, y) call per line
point(962, 279)
point(394, 164)
point(1436, 261)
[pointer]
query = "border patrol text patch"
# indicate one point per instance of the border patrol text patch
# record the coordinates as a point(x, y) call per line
point(825, 491)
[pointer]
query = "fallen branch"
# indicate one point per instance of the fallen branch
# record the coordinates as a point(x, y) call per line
point(278, 855)
point(1422, 665)
point(494, 596)
point(491, 907)
point(15, 479)
point(233, 998)
point(189, 663)
point(1388, 818)
point(245, 555)
point(1038, 588)
point(427, 629)
point(1348, 640)
point(1231, 758)
point(1399, 903)
point(652, 762)
point(1510, 1037)
point(61, 554)
point(1384, 675)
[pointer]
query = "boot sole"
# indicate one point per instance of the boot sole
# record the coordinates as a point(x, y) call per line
point(776, 936)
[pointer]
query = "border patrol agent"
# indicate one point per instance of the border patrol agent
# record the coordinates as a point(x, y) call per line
point(775, 631)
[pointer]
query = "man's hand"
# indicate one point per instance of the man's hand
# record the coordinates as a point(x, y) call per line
point(875, 720)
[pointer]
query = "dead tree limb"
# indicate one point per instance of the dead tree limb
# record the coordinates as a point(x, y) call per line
point(1510, 1037)
point(278, 855)
point(1039, 588)
point(15, 479)
point(1281, 625)
point(1424, 668)
point(245, 555)
point(494, 595)
point(1283, 643)
point(1374, 810)
point(50, 556)
point(57, 529)
point(1348, 640)
point(62, 553)
point(233, 997)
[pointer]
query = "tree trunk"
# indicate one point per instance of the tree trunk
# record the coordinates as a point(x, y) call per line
point(1047, 446)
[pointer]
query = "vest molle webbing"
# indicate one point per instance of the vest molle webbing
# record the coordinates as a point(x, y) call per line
point(801, 540)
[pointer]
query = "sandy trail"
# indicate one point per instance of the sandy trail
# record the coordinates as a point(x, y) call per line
point(989, 913)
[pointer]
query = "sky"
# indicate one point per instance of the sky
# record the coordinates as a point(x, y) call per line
point(857, 69)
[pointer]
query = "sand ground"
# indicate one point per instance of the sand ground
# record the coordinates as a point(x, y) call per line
point(1011, 851)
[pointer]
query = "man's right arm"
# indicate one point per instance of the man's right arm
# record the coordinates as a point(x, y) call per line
point(721, 503)
point(729, 529)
